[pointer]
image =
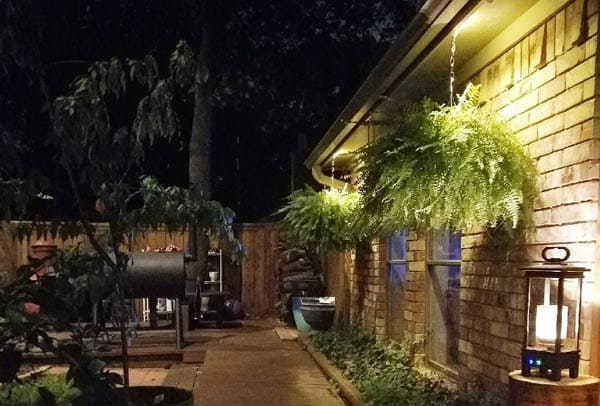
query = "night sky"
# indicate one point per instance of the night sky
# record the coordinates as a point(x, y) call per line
point(280, 72)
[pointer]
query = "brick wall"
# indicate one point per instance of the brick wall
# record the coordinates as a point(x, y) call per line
point(546, 86)
point(366, 277)
point(414, 295)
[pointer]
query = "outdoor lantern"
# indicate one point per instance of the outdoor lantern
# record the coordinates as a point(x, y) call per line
point(552, 313)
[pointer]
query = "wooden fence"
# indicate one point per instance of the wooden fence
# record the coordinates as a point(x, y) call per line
point(14, 252)
point(252, 282)
point(258, 269)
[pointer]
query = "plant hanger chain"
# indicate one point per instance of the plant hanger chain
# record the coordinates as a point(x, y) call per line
point(452, 61)
point(332, 170)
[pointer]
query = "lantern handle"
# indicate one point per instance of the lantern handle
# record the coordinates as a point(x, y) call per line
point(566, 256)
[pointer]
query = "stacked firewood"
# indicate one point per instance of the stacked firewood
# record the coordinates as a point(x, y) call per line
point(296, 276)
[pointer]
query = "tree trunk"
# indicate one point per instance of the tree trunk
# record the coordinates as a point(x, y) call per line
point(200, 139)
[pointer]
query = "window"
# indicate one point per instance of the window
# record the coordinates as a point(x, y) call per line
point(396, 285)
point(443, 298)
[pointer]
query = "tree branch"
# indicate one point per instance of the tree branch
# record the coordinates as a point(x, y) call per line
point(70, 62)
point(87, 226)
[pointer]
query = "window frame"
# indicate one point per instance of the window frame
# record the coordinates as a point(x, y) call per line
point(388, 268)
point(430, 263)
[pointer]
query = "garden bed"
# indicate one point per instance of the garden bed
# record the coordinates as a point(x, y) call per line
point(346, 389)
point(370, 373)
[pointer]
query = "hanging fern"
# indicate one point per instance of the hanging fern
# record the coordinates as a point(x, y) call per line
point(322, 221)
point(447, 167)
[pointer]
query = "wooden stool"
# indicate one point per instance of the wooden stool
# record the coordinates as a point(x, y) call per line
point(531, 390)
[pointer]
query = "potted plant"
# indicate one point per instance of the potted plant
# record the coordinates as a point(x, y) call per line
point(323, 220)
point(320, 222)
point(447, 166)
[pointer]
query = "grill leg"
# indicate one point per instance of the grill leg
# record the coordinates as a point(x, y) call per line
point(178, 324)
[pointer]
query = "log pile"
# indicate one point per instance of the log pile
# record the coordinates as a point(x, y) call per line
point(297, 275)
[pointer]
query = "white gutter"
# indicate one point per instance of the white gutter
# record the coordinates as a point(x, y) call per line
point(319, 176)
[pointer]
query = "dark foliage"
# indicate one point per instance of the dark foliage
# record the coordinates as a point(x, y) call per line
point(281, 71)
point(386, 374)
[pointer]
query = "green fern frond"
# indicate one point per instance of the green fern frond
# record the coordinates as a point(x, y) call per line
point(447, 166)
point(324, 220)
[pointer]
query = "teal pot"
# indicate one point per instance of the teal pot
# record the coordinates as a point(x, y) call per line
point(301, 324)
point(159, 395)
point(318, 315)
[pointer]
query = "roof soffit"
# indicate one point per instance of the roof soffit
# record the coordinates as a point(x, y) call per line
point(407, 75)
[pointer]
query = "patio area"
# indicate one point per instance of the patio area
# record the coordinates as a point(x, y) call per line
point(251, 365)
point(414, 185)
point(241, 364)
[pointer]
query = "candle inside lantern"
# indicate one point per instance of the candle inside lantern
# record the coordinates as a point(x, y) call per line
point(545, 323)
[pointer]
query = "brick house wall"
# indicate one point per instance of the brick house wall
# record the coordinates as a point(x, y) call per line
point(546, 84)
point(546, 87)
point(367, 274)
point(414, 295)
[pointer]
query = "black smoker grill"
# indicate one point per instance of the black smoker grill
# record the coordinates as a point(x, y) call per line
point(158, 274)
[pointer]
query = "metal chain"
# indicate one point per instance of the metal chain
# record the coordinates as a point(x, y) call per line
point(332, 170)
point(452, 60)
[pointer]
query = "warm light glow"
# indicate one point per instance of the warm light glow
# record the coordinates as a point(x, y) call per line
point(467, 22)
point(338, 153)
point(545, 323)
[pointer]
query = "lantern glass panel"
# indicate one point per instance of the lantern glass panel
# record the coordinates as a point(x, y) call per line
point(543, 311)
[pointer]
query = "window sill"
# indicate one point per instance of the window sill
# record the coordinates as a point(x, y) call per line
point(448, 373)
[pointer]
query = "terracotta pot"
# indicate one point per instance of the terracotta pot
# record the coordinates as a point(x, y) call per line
point(42, 249)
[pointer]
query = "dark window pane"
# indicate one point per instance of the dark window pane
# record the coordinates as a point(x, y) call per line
point(444, 246)
point(443, 314)
point(454, 246)
point(398, 273)
point(397, 246)
point(397, 281)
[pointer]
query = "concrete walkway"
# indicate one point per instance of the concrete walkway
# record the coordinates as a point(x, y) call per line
point(250, 365)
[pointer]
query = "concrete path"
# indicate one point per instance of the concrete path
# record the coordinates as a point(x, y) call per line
point(251, 366)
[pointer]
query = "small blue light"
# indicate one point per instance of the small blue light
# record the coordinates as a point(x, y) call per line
point(530, 361)
point(538, 362)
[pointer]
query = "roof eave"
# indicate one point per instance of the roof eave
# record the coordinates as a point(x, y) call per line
point(379, 78)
